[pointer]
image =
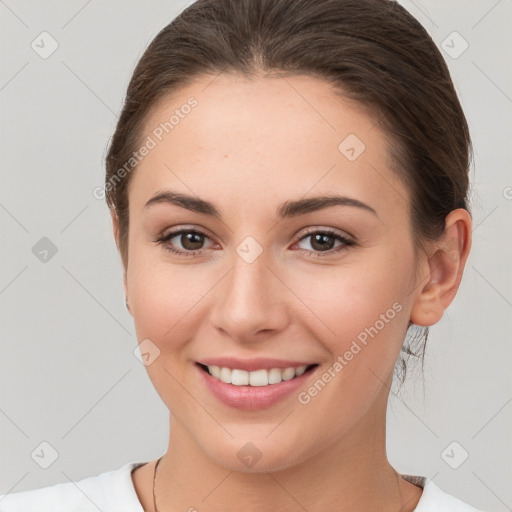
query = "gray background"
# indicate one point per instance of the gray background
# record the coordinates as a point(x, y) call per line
point(68, 374)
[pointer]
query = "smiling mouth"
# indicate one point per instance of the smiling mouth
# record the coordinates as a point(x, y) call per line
point(258, 378)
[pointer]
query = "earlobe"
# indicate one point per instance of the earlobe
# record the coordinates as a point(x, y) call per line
point(443, 270)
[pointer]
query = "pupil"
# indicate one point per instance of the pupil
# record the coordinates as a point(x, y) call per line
point(191, 241)
point(323, 242)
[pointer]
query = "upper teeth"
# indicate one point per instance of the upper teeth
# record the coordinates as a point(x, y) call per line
point(257, 377)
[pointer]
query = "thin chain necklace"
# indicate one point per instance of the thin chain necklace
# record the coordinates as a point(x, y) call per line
point(158, 462)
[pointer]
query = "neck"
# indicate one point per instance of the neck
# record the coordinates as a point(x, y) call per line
point(352, 474)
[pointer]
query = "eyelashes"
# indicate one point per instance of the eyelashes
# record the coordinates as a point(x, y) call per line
point(165, 241)
point(321, 235)
point(316, 236)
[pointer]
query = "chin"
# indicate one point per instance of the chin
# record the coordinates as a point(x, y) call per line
point(260, 455)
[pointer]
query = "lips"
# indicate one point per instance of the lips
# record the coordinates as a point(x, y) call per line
point(253, 384)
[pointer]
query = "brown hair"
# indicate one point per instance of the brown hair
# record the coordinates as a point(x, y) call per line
point(372, 51)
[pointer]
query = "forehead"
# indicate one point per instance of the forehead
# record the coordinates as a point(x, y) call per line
point(278, 136)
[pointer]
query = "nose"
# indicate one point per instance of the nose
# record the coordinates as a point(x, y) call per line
point(251, 301)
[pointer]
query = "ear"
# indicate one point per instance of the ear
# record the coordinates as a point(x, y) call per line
point(443, 269)
point(115, 229)
point(115, 226)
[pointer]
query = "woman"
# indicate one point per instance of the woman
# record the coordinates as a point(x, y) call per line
point(288, 183)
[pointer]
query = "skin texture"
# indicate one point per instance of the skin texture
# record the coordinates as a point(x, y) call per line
point(249, 146)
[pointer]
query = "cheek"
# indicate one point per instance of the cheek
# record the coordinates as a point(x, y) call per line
point(361, 317)
point(350, 299)
point(165, 297)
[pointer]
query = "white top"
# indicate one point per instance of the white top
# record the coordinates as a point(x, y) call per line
point(113, 491)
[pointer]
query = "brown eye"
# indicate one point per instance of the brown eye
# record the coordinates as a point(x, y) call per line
point(191, 241)
point(185, 242)
point(322, 242)
point(325, 242)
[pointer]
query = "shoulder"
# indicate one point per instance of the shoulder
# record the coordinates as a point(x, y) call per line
point(434, 499)
point(111, 491)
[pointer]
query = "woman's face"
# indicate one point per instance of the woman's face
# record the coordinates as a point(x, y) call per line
point(267, 283)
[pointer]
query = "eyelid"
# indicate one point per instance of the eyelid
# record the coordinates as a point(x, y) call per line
point(330, 231)
point(345, 239)
point(165, 237)
point(185, 227)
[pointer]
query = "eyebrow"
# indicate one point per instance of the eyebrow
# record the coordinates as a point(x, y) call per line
point(287, 209)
